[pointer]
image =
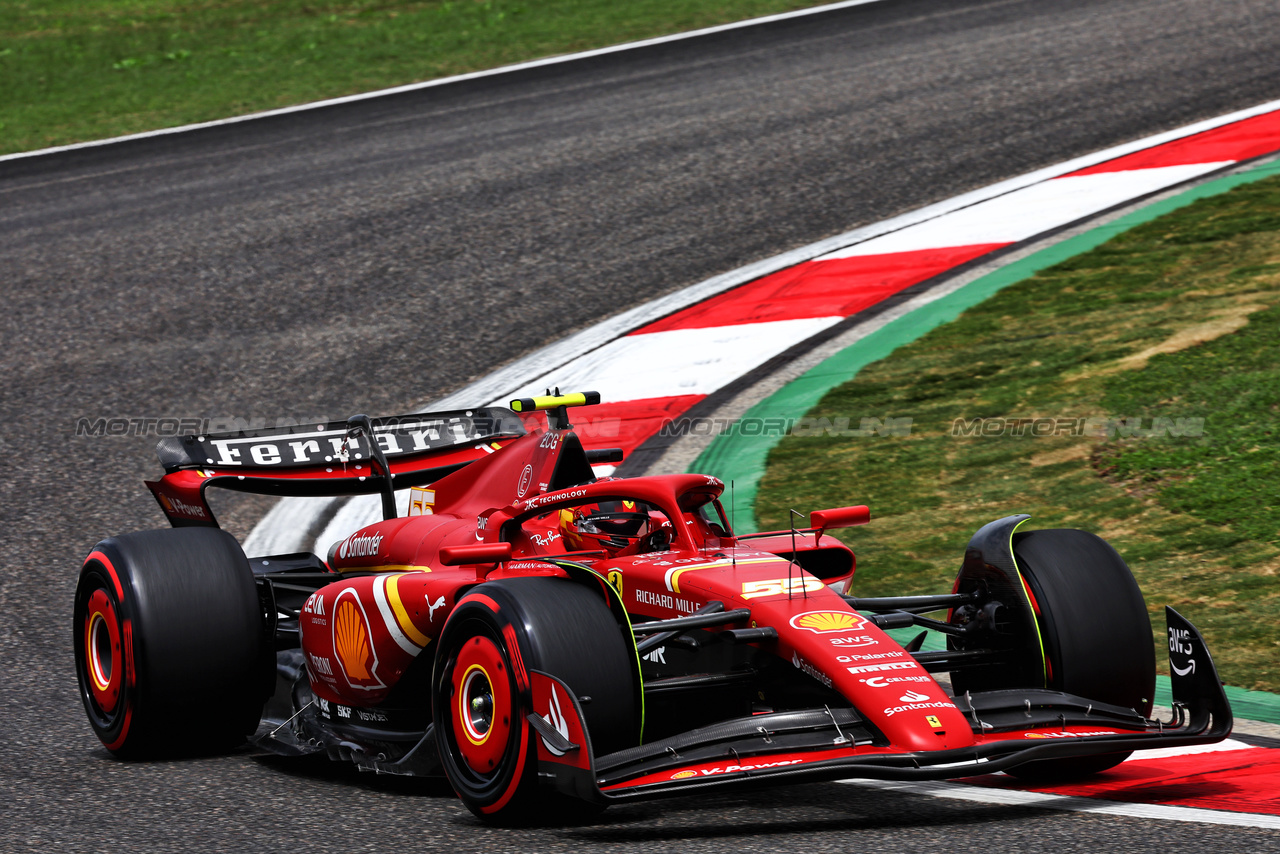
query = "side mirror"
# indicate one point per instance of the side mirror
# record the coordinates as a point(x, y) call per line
point(476, 553)
point(838, 517)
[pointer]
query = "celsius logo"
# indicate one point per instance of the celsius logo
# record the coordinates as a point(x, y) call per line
point(360, 545)
point(887, 681)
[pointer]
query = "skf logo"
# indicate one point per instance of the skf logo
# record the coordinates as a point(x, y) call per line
point(353, 644)
point(825, 622)
point(360, 545)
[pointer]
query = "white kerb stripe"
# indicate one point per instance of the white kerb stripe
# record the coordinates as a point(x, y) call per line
point(677, 361)
point(1032, 210)
point(1039, 800)
point(1190, 750)
point(380, 596)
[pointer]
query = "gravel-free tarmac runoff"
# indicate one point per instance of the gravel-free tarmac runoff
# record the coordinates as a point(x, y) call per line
point(372, 256)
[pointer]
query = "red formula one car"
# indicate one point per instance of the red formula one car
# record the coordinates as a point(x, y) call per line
point(544, 637)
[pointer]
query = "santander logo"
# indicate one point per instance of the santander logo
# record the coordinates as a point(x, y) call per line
point(360, 545)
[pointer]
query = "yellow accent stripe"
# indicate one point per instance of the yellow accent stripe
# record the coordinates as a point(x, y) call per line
point(1026, 597)
point(402, 616)
point(395, 567)
point(673, 575)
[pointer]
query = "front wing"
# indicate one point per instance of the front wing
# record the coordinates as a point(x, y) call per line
point(1011, 727)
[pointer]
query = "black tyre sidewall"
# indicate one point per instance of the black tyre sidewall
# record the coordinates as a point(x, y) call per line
point(1093, 619)
point(1094, 628)
point(562, 628)
point(480, 791)
point(108, 725)
point(197, 643)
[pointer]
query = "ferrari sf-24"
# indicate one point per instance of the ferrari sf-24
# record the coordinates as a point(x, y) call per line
point(548, 639)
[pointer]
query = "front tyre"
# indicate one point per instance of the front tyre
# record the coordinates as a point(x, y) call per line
point(481, 693)
point(1094, 628)
point(168, 639)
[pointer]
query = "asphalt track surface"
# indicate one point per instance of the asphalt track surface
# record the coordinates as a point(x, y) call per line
point(372, 256)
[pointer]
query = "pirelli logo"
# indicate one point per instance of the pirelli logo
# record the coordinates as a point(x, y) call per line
point(875, 668)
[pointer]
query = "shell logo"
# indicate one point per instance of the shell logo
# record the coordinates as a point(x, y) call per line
point(823, 622)
point(352, 643)
point(684, 775)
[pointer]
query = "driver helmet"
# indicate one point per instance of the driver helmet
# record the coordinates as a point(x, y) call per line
point(608, 525)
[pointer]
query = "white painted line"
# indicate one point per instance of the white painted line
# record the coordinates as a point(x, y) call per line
point(675, 362)
point(283, 529)
point(458, 78)
point(1029, 211)
point(1190, 750)
point(355, 514)
point(1038, 800)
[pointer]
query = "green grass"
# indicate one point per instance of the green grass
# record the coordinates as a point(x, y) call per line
point(74, 70)
point(1178, 318)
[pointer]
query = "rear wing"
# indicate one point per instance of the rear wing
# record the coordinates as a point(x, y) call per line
point(325, 459)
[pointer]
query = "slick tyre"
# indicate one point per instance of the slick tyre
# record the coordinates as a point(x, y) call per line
point(169, 647)
point(481, 694)
point(1094, 629)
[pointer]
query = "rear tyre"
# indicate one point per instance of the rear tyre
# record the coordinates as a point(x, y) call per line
point(481, 695)
point(168, 638)
point(1094, 629)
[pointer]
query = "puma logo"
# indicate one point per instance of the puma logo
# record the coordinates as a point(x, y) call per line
point(431, 609)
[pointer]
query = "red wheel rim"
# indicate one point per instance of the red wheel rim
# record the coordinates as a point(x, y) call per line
point(103, 658)
point(481, 704)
